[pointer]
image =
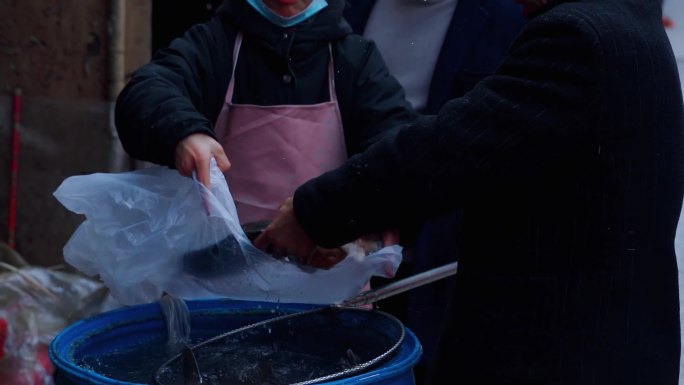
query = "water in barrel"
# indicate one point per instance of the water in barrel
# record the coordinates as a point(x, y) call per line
point(138, 363)
point(292, 351)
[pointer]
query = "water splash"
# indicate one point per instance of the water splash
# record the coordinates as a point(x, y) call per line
point(177, 316)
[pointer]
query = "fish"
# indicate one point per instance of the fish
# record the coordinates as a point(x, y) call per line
point(191, 372)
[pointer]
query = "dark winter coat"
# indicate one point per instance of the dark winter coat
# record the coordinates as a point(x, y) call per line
point(568, 163)
point(181, 91)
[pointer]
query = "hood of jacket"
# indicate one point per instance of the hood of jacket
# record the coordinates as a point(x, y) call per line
point(324, 26)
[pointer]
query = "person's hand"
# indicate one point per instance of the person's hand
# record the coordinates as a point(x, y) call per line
point(194, 153)
point(390, 237)
point(285, 236)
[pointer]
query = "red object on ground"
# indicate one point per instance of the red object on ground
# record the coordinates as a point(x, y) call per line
point(20, 375)
point(14, 168)
point(668, 22)
point(43, 358)
point(3, 336)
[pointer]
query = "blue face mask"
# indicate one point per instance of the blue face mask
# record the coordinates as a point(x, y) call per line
point(314, 7)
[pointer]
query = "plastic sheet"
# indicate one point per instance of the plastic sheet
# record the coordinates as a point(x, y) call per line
point(153, 231)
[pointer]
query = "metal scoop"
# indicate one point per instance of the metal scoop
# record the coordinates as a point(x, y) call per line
point(402, 285)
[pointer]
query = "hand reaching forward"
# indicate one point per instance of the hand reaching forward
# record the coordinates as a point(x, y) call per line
point(285, 236)
point(194, 153)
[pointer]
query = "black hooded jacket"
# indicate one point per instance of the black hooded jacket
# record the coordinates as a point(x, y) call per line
point(181, 91)
point(568, 163)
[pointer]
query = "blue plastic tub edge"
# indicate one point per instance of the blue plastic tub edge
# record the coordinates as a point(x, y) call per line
point(61, 346)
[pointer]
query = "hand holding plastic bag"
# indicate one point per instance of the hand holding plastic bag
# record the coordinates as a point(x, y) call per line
point(153, 231)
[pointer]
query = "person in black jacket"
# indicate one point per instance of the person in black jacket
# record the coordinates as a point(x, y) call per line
point(449, 47)
point(568, 163)
point(276, 91)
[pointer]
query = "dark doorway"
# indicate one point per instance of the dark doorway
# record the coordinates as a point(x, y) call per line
point(170, 18)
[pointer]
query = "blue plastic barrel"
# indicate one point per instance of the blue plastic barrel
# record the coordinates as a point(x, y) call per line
point(141, 329)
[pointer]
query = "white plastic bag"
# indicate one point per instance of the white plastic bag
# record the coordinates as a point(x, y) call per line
point(153, 231)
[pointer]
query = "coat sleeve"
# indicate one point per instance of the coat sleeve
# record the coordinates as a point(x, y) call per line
point(378, 103)
point(515, 125)
point(178, 93)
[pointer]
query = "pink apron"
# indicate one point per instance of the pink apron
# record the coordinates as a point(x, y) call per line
point(274, 149)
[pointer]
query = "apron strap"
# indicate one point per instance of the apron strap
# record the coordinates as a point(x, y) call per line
point(236, 53)
point(331, 76)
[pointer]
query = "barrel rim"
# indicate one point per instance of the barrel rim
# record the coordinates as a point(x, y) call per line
point(62, 343)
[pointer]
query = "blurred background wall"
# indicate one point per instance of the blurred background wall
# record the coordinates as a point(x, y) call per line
point(69, 58)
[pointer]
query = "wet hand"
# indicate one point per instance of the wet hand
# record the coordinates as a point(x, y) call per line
point(390, 237)
point(194, 153)
point(285, 236)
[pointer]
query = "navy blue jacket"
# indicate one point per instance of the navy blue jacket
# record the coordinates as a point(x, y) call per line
point(473, 48)
point(568, 163)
